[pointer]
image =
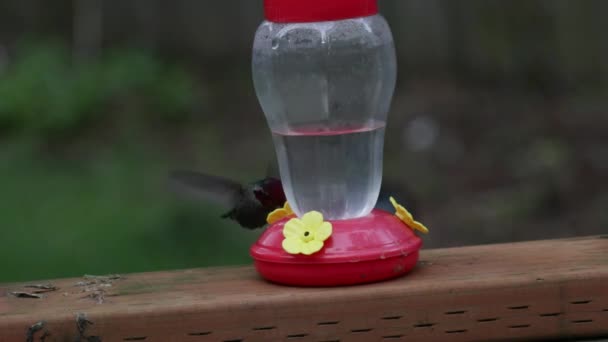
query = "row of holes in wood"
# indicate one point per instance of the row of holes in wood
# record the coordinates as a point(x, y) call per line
point(390, 337)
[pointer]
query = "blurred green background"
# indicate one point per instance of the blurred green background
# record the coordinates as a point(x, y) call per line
point(498, 129)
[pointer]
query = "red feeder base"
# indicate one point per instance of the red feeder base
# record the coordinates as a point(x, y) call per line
point(376, 247)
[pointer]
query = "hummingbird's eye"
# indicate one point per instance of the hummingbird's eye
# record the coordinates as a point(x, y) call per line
point(306, 233)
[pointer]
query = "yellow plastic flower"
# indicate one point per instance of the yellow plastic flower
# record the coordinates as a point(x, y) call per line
point(307, 235)
point(407, 218)
point(279, 214)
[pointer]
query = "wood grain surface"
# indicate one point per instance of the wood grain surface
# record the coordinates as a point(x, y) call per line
point(521, 291)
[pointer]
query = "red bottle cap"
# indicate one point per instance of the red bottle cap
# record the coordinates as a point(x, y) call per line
point(298, 11)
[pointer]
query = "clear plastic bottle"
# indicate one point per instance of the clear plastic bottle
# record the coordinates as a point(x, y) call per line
point(324, 73)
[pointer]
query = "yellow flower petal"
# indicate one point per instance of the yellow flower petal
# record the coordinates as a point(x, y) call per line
point(323, 232)
point(407, 218)
point(311, 247)
point(293, 245)
point(306, 235)
point(419, 227)
point(294, 228)
point(405, 213)
point(393, 202)
point(288, 209)
point(312, 219)
point(275, 216)
point(279, 214)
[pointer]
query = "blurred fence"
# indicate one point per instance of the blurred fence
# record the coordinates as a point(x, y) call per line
point(548, 40)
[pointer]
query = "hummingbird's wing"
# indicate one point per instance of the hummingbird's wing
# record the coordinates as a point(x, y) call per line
point(220, 190)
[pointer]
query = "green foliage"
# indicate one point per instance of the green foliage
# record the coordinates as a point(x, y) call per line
point(109, 215)
point(43, 91)
point(89, 203)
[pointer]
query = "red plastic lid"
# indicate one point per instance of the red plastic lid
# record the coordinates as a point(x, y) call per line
point(377, 236)
point(298, 11)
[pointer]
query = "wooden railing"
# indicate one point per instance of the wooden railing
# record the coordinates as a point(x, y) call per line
point(533, 290)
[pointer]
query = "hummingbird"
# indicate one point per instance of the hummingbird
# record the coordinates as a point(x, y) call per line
point(249, 204)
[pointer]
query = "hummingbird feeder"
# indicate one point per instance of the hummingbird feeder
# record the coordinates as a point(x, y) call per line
point(324, 73)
